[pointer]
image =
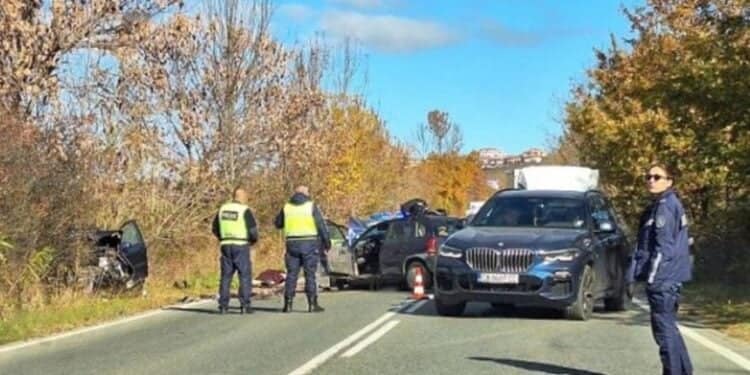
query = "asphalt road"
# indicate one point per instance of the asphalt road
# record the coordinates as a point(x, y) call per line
point(365, 332)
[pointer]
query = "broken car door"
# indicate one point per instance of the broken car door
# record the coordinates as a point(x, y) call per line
point(397, 241)
point(340, 257)
point(133, 248)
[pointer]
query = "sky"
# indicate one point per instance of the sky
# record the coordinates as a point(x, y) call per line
point(502, 69)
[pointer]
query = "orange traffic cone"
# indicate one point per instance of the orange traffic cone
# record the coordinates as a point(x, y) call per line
point(418, 293)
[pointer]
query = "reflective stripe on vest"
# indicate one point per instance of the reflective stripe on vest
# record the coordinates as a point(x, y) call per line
point(232, 228)
point(299, 220)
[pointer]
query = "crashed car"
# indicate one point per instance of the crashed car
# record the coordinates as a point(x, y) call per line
point(119, 259)
point(391, 251)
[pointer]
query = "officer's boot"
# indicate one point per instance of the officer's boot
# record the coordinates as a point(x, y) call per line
point(246, 309)
point(287, 305)
point(312, 305)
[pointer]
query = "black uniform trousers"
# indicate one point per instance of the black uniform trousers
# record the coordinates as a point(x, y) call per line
point(235, 258)
point(664, 302)
point(301, 253)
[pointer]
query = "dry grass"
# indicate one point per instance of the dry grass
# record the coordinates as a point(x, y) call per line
point(197, 278)
point(726, 308)
point(74, 311)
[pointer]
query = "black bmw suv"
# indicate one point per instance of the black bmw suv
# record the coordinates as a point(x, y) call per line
point(551, 249)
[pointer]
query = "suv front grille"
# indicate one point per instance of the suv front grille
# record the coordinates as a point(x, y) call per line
point(484, 259)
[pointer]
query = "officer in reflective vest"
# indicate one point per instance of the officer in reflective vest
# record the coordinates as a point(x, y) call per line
point(234, 226)
point(662, 261)
point(306, 234)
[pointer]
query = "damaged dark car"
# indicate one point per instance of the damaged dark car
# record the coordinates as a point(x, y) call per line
point(391, 251)
point(118, 259)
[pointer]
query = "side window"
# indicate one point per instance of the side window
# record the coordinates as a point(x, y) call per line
point(600, 211)
point(399, 231)
point(612, 213)
point(420, 230)
point(335, 232)
point(131, 236)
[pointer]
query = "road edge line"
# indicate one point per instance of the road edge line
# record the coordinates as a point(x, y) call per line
point(725, 352)
point(25, 344)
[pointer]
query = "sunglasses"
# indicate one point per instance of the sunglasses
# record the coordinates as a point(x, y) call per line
point(655, 177)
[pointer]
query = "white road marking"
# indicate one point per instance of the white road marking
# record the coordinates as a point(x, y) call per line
point(332, 351)
point(370, 339)
point(25, 344)
point(415, 306)
point(326, 355)
point(693, 334)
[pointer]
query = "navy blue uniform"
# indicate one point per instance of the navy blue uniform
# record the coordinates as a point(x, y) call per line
point(236, 258)
point(304, 253)
point(662, 260)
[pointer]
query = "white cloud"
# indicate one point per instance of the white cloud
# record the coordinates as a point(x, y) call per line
point(361, 4)
point(506, 36)
point(515, 38)
point(296, 12)
point(387, 33)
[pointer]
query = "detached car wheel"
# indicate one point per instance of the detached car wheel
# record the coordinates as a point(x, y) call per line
point(449, 310)
point(583, 307)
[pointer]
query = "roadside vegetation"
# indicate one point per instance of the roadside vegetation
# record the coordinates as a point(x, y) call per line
point(715, 305)
point(678, 92)
point(144, 111)
point(137, 109)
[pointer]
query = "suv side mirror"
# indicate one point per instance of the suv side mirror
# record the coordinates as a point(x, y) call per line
point(605, 227)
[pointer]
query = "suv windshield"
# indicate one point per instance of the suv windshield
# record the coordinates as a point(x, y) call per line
point(547, 212)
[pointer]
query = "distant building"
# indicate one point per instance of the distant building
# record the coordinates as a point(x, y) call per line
point(494, 184)
point(492, 158)
point(513, 160)
point(490, 153)
point(533, 155)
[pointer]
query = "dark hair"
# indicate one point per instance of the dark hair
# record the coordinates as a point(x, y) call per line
point(671, 170)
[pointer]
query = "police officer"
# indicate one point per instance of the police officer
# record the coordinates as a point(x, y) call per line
point(662, 260)
point(235, 227)
point(306, 234)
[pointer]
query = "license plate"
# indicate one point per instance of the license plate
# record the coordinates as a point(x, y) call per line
point(498, 278)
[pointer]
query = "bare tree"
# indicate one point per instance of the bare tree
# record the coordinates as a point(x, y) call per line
point(440, 135)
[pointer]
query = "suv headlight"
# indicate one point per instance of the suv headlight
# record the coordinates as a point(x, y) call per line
point(450, 252)
point(562, 255)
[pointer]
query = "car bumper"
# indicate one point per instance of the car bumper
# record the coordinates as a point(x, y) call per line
point(547, 287)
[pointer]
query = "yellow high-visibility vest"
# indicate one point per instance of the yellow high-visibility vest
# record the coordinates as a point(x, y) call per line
point(232, 227)
point(299, 220)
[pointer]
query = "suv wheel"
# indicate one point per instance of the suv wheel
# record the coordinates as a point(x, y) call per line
point(618, 302)
point(339, 283)
point(449, 310)
point(411, 275)
point(583, 307)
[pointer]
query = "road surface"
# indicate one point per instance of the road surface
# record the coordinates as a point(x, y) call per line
point(365, 332)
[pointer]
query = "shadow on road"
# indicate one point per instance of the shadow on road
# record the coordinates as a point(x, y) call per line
point(232, 310)
point(632, 317)
point(482, 310)
point(536, 366)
